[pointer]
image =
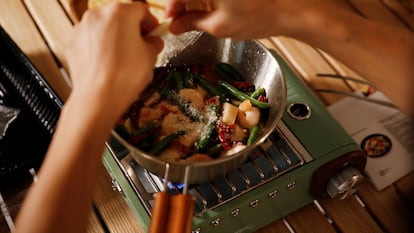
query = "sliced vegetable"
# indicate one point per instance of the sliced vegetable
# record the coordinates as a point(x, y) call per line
point(243, 96)
point(229, 113)
point(246, 105)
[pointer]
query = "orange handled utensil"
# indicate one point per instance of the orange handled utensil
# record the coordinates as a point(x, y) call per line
point(172, 213)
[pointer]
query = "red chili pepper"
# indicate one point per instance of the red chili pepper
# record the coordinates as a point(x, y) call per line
point(135, 140)
point(224, 134)
point(213, 100)
point(262, 98)
point(134, 113)
point(243, 86)
point(196, 69)
point(183, 149)
point(208, 72)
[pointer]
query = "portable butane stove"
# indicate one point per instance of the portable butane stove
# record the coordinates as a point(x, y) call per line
point(308, 156)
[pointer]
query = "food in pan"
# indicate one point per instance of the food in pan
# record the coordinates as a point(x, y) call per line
point(376, 145)
point(195, 112)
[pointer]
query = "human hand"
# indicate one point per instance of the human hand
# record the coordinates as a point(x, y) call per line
point(110, 59)
point(246, 19)
point(239, 19)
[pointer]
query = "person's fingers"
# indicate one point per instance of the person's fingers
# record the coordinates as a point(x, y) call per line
point(156, 42)
point(187, 22)
point(175, 8)
point(148, 23)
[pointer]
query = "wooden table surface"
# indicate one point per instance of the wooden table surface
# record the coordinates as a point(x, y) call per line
point(41, 29)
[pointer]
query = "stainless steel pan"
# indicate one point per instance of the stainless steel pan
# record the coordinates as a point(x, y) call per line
point(254, 61)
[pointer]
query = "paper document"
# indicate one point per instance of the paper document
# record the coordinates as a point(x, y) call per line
point(384, 133)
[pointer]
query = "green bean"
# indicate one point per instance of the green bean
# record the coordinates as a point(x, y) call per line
point(227, 72)
point(210, 87)
point(258, 92)
point(140, 134)
point(214, 150)
point(165, 142)
point(143, 130)
point(243, 96)
point(169, 79)
point(188, 81)
point(179, 82)
point(208, 128)
point(254, 133)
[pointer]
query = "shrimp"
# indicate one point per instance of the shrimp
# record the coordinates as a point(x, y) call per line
point(238, 134)
point(250, 118)
point(236, 148)
point(192, 96)
point(170, 155)
point(153, 99)
point(148, 115)
point(173, 122)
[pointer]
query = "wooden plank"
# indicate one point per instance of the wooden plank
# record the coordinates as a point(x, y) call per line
point(345, 71)
point(54, 24)
point(19, 25)
point(408, 4)
point(274, 227)
point(93, 225)
point(113, 208)
point(401, 12)
point(381, 204)
point(405, 189)
point(70, 6)
point(307, 62)
point(375, 10)
point(309, 218)
point(349, 216)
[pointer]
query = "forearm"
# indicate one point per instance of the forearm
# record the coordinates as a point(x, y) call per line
point(381, 53)
point(61, 199)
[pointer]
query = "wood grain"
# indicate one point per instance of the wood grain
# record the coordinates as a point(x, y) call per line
point(52, 21)
point(349, 216)
point(47, 25)
point(309, 218)
point(19, 25)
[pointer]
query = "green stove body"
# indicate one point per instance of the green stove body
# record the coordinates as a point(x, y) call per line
point(291, 169)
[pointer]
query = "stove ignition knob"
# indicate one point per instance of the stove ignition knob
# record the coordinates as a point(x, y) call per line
point(299, 111)
point(344, 183)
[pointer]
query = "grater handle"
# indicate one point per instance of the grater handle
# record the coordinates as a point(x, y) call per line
point(160, 213)
point(172, 213)
point(181, 213)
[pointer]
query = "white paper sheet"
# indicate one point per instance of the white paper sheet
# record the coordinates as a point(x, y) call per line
point(361, 119)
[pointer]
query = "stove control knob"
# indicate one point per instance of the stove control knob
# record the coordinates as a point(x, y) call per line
point(344, 183)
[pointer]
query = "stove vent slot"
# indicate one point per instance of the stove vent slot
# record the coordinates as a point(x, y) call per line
point(274, 158)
